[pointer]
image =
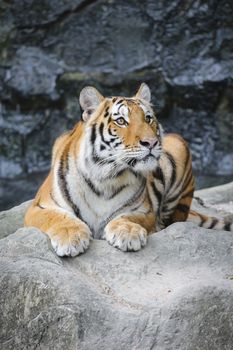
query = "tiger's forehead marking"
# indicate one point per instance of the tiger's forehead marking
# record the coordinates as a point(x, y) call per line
point(121, 107)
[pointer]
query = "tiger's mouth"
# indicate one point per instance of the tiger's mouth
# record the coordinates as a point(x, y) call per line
point(149, 156)
point(133, 161)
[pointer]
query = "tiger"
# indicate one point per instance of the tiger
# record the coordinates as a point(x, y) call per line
point(116, 176)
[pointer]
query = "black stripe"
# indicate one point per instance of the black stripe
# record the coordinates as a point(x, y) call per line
point(92, 186)
point(110, 132)
point(131, 201)
point(183, 207)
point(186, 182)
point(202, 219)
point(173, 164)
point(106, 112)
point(158, 174)
point(120, 101)
point(130, 100)
point(188, 194)
point(145, 212)
point(167, 221)
point(93, 134)
point(101, 130)
point(188, 179)
point(173, 198)
point(119, 108)
point(95, 157)
point(120, 189)
point(63, 186)
point(227, 226)
point(61, 175)
point(166, 209)
point(213, 223)
point(102, 147)
point(157, 194)
point(189, 174)
point(132, 162)
point(117, 144)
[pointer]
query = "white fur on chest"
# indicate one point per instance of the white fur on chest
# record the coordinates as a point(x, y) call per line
point(94, 208)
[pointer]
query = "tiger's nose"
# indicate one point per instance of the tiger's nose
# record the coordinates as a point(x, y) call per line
point(149, 143)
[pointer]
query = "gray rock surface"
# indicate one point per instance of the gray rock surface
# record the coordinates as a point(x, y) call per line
point(11, 220)
point(50, 49)
point(217, 194)
point(176, 293)
point(33, 73)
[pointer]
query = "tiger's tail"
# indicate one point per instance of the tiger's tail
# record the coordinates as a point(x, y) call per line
point(210, 222)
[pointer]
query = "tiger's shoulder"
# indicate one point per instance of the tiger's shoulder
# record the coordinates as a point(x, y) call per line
point(175, 163)
point(177, 149)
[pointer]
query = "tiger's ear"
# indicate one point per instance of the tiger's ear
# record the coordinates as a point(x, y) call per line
point(89, 100)
point(144, 92)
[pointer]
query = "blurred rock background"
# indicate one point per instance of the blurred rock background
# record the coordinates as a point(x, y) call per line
point(50, 49)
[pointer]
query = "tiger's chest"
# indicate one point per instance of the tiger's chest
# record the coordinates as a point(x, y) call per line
point(98, 203)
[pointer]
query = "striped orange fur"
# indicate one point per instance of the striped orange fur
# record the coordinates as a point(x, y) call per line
point(115, 176)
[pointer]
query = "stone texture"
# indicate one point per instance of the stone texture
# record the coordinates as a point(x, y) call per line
point(176, 293)
point(171, 295)
point(33, 73)
point(217, 194)
point(12, 219)
point(50, 49)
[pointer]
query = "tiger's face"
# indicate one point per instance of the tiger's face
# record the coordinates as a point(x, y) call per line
point(124, 132)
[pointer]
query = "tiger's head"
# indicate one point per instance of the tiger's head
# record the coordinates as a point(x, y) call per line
point(121, 132)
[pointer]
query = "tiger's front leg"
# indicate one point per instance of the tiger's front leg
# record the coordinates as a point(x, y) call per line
point(129, 232)
point(69, 235)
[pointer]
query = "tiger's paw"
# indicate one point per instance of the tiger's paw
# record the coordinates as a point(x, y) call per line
point(126, 236)
point(71, 241)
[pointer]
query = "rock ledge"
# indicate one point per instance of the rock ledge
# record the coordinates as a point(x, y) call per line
point(176, 293)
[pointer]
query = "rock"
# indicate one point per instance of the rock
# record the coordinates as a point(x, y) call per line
point(11, 190)
point(176, 293)
point(170, 295)
point(217, 194)
point(204, 134)
point(26, 12)
point(34, 73)
point(12, 219)
point(215, 201)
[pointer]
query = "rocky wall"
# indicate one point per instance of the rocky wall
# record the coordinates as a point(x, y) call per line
point(50, 49)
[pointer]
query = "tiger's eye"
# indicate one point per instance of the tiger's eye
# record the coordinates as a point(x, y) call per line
point(121, 121)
